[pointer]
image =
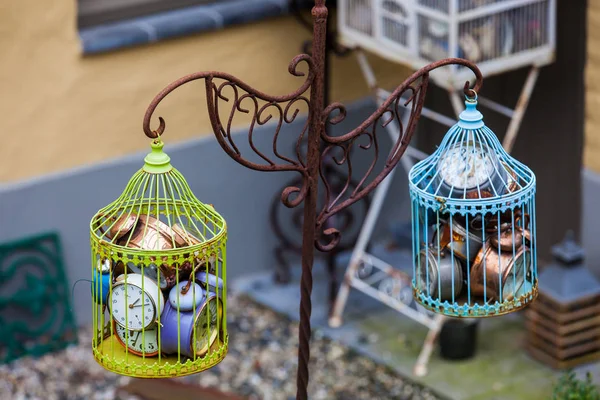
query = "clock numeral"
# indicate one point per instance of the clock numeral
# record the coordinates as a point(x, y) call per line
point(115, 301)
point(122, 318)
point(140, 292)
point(116, 310)
point(150, 346)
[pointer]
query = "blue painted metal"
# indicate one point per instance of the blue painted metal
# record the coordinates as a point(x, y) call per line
point(473, 212)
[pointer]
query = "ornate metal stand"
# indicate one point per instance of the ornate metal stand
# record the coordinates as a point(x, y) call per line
point(227, 95)
point(350, 218)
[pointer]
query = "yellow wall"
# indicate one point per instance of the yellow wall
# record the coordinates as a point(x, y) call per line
point(61, 110)
point(591, 151)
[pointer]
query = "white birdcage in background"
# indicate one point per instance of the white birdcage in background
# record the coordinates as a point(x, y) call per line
point(499, 35)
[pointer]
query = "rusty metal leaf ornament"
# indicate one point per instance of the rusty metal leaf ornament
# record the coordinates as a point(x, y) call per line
point(410, 95)
point(227, 95)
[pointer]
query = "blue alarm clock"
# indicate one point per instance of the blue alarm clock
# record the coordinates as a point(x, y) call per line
point(210, 282)
point(101, 282)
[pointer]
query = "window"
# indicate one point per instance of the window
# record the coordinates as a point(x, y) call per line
point(96, 12)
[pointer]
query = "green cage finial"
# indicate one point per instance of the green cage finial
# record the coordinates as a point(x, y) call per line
point(157, 161)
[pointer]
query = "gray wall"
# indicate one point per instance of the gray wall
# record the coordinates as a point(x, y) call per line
point(65, 202)
point(590, 224)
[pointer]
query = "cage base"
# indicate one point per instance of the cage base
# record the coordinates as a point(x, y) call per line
point(111, 355)
point(476, 307)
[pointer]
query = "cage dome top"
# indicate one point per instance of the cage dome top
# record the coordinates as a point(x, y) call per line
point(470, 171)
point(157, 212)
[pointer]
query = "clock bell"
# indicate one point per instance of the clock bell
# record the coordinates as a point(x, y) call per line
point(473, 212)
point(158, 277)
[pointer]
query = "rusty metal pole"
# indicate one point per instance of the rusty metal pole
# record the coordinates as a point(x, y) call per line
point(319, 14)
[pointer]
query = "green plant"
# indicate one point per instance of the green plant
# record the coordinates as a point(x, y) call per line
point(569, 387)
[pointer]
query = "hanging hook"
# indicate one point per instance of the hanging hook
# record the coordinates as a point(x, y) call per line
point(470, 97)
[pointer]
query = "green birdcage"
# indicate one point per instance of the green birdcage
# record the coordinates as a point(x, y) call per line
point(158, 277)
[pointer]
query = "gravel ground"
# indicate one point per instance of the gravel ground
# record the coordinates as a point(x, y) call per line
point(261, 364)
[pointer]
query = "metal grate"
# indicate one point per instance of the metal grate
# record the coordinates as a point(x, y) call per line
point(503, 34)
point(466, 5)
point(438, 5)
point(360, 16)
point(395, 22)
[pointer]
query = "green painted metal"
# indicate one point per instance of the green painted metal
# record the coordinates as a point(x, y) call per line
point(157, 161)
point(35, 311)
point(158, 229)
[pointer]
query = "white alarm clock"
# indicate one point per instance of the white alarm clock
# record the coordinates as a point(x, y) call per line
point(136, 302)
point(140, 343)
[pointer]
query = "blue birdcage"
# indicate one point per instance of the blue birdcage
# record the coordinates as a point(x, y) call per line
point(473, 213)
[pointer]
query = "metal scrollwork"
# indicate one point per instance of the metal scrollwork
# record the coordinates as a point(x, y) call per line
point(228, 96)
point(415, 87)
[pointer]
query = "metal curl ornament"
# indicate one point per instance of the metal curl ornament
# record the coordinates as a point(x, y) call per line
point(263, 108)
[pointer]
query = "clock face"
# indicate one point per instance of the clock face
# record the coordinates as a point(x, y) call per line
point(138, 342)
point(466, 166)
point(206, 327)
point(131, 307)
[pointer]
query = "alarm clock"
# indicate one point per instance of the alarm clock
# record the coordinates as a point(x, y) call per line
point(196, 332)
point(469, 170)
point(210, 282)
point(101, 282)
point(492, 267)
point(458, 241)
point(140, 343)
point(430, 270)
point(186, 300)
point(136, 302)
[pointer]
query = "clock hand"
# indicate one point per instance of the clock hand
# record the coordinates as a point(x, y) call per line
point(136, 339)
point(471, 171)
point(134, 303)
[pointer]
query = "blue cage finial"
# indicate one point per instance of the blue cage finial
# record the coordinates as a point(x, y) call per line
point(473, 216)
